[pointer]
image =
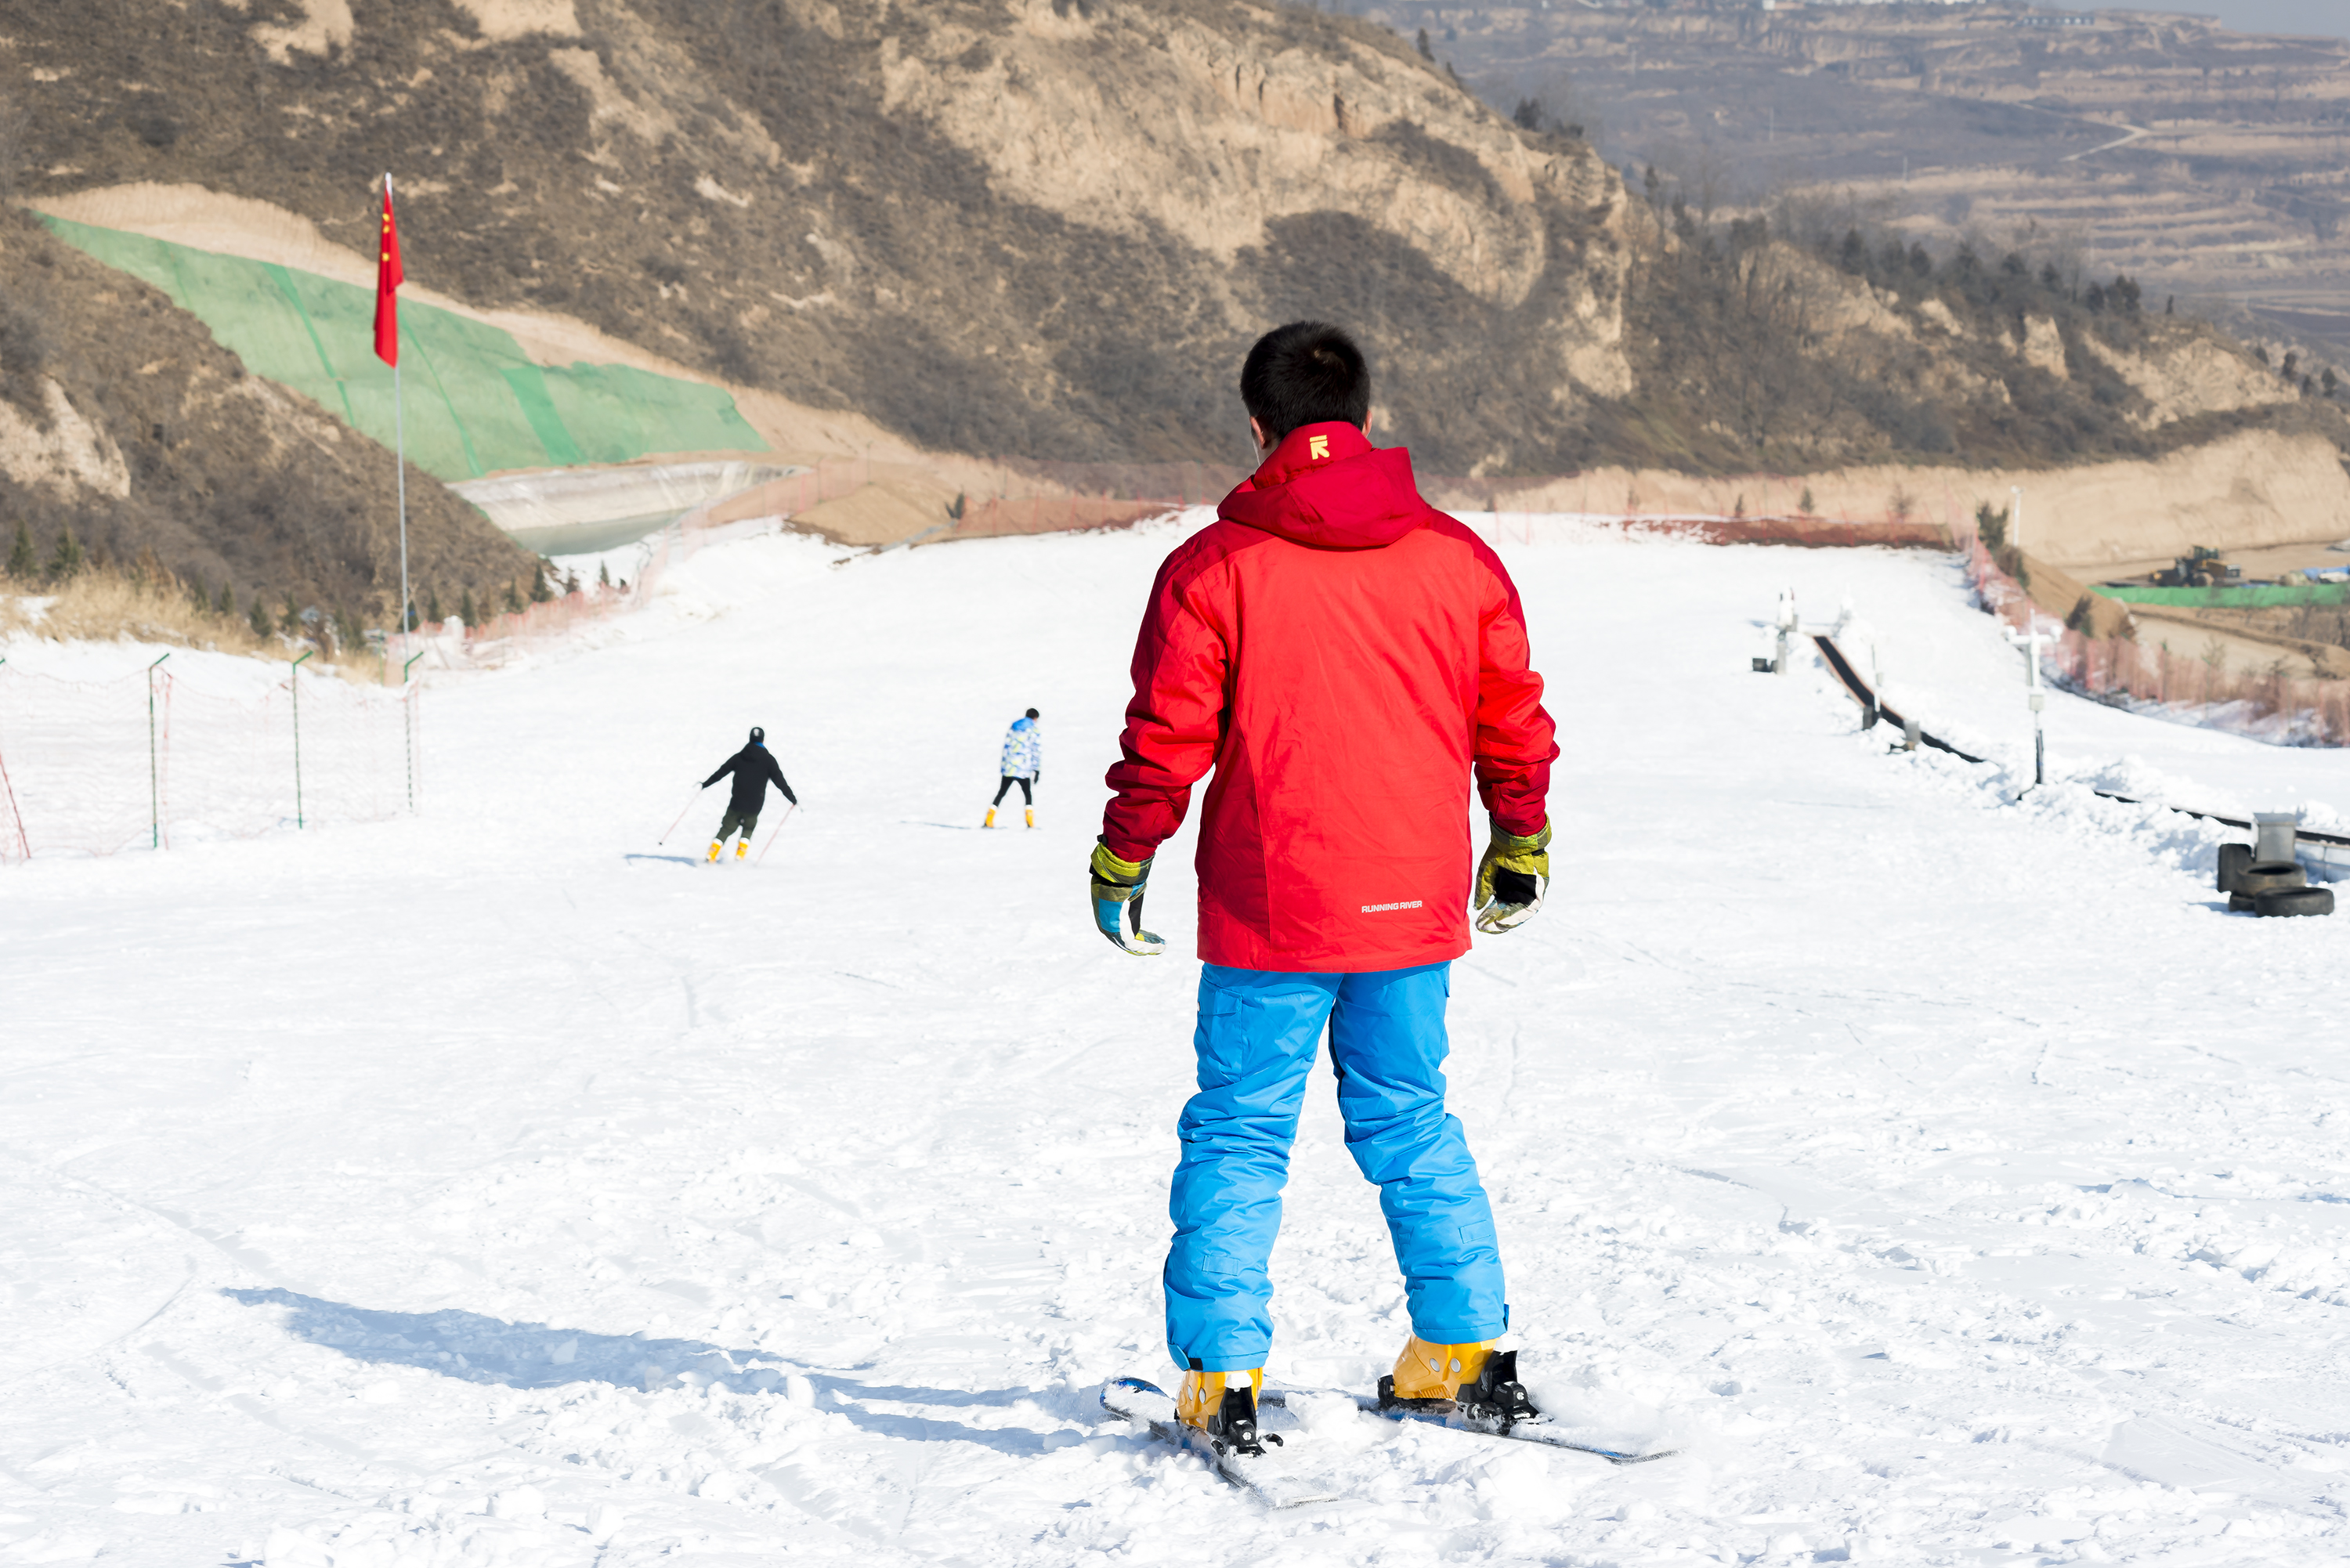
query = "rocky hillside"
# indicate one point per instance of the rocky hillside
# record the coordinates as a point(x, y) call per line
point(124, 423)
point(1047, 228)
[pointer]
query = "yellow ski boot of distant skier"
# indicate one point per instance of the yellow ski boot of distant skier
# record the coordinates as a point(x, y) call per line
point(715, 846)
point(1032, 818)
point(741, 848)
point(991, 818)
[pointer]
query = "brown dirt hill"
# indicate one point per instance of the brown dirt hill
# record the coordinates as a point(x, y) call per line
point(122, 420)
point(1047, 228)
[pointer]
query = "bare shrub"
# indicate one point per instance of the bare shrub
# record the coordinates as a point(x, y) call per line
point(104, 606)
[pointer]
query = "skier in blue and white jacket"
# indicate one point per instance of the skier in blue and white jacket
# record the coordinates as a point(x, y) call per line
point(1024, 764)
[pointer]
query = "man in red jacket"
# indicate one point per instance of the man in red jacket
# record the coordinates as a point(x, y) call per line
point(1345, 657)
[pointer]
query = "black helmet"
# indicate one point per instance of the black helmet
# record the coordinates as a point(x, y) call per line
point(758, 736)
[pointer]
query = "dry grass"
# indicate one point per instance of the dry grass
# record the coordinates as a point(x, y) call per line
point(104, 606)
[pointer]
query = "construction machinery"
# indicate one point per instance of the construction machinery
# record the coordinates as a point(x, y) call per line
point(2200, 567)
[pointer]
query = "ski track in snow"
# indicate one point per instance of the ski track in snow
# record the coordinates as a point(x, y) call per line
point(1952, 1180)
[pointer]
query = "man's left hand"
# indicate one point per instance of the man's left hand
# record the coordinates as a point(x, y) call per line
point(1512, 877)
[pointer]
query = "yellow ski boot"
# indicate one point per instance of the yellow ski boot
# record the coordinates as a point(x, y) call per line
point(715, 846)
point(1477, 1380)
point(1223, 1406)
point(741, 848)
point(991, 818)
point(1032, 818)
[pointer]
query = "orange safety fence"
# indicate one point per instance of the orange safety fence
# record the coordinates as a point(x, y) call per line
point(150, 760)
point(1067, 497)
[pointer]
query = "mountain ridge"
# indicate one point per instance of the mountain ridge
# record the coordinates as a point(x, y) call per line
point(1045, 230)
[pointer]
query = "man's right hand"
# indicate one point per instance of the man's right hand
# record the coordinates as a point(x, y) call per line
point(1117, 885)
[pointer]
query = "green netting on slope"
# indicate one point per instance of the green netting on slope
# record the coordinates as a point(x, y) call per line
point(2260, 596)
point(476, 404)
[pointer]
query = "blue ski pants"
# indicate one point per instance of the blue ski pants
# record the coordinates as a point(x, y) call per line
point(1257, 1039)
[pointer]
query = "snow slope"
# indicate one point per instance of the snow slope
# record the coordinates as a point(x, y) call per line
point(1955, 1181)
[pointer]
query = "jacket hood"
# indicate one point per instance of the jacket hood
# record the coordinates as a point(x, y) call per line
point(1325, 485)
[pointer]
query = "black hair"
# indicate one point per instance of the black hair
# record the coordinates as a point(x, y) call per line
point(1307, 373)
point(1032, 712)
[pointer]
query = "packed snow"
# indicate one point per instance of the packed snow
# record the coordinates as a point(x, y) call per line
point(1937, 1166)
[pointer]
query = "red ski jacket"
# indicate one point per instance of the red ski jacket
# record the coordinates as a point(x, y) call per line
point(1342, 655)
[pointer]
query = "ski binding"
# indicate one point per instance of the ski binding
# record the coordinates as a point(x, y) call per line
point(1265, 1463)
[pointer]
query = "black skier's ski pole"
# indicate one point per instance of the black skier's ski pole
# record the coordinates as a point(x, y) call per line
point(681, 816)
point(773, 837)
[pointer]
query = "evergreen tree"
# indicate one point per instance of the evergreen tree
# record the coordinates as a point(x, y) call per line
point(571, 581)
point(21, 560)
point(539, 592)
point(1426, 52)
point(67, 559)
point(604, 569)
point(259, 617)
point(513, 600)
point(226, 603)
point(1990, 526)
point(290, 620)
point(432, 607)
point(466, 610)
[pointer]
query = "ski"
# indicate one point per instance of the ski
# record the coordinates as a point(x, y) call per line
point(1495, 1405)
point(1280, 1477)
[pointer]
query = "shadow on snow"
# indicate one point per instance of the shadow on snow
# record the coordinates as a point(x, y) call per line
point(478, 1349)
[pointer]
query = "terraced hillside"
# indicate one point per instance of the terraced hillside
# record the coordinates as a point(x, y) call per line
point(2202, 161)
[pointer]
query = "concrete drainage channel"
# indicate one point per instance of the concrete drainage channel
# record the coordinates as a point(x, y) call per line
point(2265, 877)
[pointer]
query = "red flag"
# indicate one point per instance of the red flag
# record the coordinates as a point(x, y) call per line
point(387, 286)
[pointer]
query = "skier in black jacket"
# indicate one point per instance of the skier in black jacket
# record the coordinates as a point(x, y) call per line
point(753, 768)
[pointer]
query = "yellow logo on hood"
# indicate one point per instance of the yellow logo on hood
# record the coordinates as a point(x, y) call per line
point(1318, 447)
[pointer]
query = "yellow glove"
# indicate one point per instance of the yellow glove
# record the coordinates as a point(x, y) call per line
point(1118, 883)
point(1512, 877)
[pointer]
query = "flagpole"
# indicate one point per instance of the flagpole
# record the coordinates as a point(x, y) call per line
point(399, 461)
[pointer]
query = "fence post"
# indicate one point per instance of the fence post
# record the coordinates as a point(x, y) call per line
point(294, 684)
point(408, 726)
point(23, 845)
point(154, 774)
